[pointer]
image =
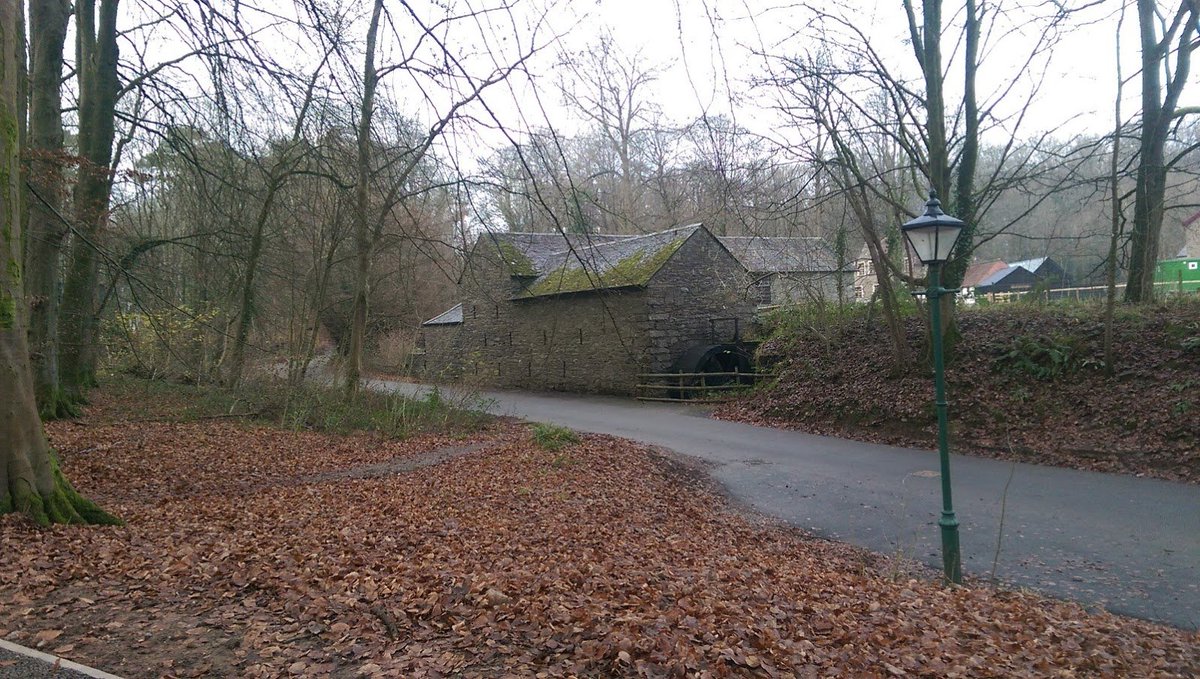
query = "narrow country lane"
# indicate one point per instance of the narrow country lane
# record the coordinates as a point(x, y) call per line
point(1130, 545)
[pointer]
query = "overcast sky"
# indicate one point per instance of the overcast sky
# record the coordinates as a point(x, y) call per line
point(706, 50)
point(706, 53)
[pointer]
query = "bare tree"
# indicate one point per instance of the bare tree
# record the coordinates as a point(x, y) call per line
point(30, 480)
point(462, 85)
point(288, 160)
point(47, 230)
point(608, 89)
point(1166, 52)
point(96, 74)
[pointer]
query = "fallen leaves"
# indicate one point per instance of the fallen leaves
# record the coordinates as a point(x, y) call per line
point(251, 552)
point(46, 636)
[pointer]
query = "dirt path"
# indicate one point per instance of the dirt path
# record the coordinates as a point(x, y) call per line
point(399, 465)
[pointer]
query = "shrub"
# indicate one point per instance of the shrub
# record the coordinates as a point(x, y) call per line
point(311, 407)
point(1043, 358)
point(169, 343)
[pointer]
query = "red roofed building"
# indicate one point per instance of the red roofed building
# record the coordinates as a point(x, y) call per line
point(979, 272)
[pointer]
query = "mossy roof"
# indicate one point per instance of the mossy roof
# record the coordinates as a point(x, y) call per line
point(526, 255)
point(617, 263)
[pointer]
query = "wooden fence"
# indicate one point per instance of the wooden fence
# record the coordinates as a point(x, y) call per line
point(1082, 293)
point(714, 387)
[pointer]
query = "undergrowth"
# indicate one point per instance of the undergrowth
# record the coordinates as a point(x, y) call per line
point(310, 407)
point(553, 437)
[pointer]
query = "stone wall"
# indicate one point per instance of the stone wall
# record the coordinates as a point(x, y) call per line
point(807, 288)
point(443, 350)
point(692, 300)
point(591, 342)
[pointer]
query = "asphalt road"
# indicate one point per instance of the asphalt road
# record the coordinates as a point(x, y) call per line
point(1129, 545)
point(20, 662)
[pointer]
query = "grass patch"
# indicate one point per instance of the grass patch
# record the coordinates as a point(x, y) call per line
point(553, 437)
point(310, 407)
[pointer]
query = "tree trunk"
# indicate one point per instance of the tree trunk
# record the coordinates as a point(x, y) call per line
point(46, 232)
point(935, 103)
point(1158, 109)
point(861, 206)
point(962, 200)
point(237, 357)
point(362, 239)
point(96, 62)
point(296, 377)
point(30, 480)
point(963, 205)
point(1151, 176)
point(1114, 185)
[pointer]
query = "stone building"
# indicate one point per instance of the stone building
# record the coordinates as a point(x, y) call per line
point(866, 278)
point(790, 270)
point(588, 312)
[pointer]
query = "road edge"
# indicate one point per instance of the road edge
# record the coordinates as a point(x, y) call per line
point(55, 662)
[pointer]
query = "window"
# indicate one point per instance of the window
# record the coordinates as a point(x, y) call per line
point(858, 292)
point(760, 291)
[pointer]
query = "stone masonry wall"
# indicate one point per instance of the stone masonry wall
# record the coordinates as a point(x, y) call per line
point(593, 342)
point(583, 342)
point(688, 298)
point(443, 351)
point(805, 288)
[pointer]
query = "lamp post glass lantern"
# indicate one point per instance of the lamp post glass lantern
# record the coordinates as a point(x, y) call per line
point(932, 237)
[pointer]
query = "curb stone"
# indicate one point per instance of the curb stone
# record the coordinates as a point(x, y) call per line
point(30, 663)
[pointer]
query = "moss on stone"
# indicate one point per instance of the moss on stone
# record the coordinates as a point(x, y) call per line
point(635, 269)
point(518, 262)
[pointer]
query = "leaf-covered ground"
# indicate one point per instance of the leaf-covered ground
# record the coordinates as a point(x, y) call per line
point(1027, 384)
point(253, 551)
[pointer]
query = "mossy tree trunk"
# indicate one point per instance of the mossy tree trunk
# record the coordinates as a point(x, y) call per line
point(96, 39)
point(30, 480)
point(46, 231)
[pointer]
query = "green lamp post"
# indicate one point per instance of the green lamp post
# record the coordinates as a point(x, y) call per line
point(932, 237)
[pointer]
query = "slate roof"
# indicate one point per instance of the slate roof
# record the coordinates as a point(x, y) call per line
point(999, 275)
point(616, 262)
point(527, 254)
point(451, 316)
point(981, 271)
point(764, 254)
point(555, 263)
